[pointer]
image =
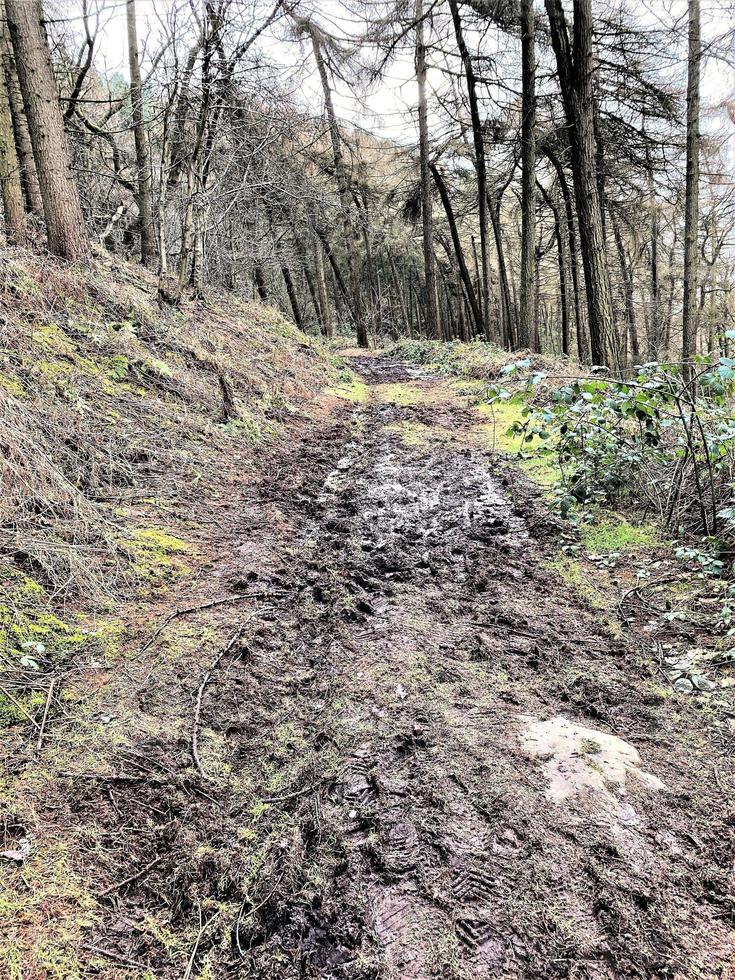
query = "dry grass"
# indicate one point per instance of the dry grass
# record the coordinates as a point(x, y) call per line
point(107, 400)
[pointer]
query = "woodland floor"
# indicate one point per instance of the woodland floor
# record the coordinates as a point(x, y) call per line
point(408, 769)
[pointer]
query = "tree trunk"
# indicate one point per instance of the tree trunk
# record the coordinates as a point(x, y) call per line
point(343, 187)
point(432, 313)
point(574, 64)
point(655, 333)
point(405, 318)
point(260, 283)
point(292, 296)
point(480, 166)
point(691, 215)
point(334, 265)
point(510, 337)
point(628, 287)
point(28, 175)
point(321, 285)
point(144, 194)
point(563, 286)
point(65, 225)
point(528, 313)
point(10, 185)
point(458, 251)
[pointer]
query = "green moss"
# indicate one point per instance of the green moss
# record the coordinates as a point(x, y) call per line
point(572, 571)
point(21, 623)
point(411, 433)
point(541, 466)
point(616, 534)
point(50, 337)
point(118, 367)
point(11, 385)
point(405, 394)
point(462, 360)
point(575, 574)
point(247, 427)
point(46, 908)
point(349, 388)
point(154, 553)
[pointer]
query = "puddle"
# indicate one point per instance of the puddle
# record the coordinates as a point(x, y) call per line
point(580, 761)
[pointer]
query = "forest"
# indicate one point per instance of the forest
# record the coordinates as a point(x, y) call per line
point(367, 489)
point(556, 182)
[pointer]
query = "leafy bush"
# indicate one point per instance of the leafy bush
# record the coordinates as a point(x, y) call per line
point(654, 440)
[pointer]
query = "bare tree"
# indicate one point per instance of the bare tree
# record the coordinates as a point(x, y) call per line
point(691, 206)
point(574, 65)
point(527, 318)
point(144, 177)
point(432, 313)
point(10, 184)
point(65, 224)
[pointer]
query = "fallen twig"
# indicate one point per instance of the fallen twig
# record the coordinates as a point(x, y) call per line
point(39, 743)
point(19, 706)
point(290, 796)
point(132, 878)
point(187, 611)
point(108, 954)
point(200, 694)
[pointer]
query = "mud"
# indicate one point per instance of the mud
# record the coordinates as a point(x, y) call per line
point(422, 812)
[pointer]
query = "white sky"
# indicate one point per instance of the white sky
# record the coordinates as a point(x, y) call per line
point(386, 109)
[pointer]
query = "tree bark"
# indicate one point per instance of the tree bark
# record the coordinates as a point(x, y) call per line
point(260, 283)
point(343, 184)
point(528, 313)
point(691, 208)
point(144, 192)
point(65, 224)
point(563, 285)
point(10, 185)
point(574, 65)
point(458, 250)
point(321, 286)
point(480, 166)
point(628, 287)
point(292, 296)
point(28, 175)
point(432, 313)
point(510, 337)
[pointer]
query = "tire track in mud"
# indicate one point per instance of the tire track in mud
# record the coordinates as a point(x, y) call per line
point(431, 638)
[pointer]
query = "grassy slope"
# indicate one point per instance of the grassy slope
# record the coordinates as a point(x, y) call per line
point(116, 418)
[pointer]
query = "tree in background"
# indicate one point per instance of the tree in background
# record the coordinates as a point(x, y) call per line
point(540, 196)
point(691, 206)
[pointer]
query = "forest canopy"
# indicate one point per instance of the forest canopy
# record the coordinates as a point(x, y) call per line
point(553, 176)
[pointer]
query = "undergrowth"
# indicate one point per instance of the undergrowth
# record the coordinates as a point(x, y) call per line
point(106, 399)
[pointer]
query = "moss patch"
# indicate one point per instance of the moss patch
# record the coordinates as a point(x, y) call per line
point(412, 433)
point(616, 534)
point(349, 388)
point(542, 467)
point(154, 553)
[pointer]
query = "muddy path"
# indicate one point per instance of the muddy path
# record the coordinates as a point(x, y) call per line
point(435, 759)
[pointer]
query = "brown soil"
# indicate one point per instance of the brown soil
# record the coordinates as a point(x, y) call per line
point(375, 799)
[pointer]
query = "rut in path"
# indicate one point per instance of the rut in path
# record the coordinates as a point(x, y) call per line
point(482, 823)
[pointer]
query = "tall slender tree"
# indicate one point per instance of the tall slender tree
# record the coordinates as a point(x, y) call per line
point(478, 143)
point(527, 319)
point(144, 177)
point(65, 224)
point(575, 67)
point(691, 207)
point(10, 185)
point(427, 220)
